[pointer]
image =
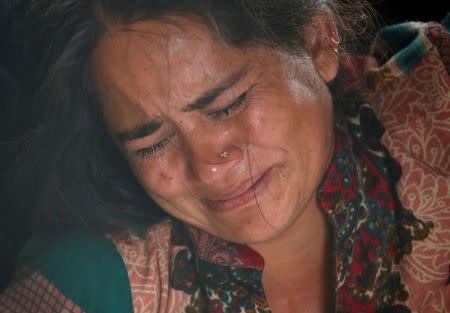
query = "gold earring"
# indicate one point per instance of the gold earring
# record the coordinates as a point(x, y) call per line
point(224, 155)
point(336, 42)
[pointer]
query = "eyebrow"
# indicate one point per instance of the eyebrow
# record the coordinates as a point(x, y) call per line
point(139, 131)
point(146, 129)
point(209, 96)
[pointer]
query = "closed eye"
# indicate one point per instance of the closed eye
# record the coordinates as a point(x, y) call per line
point(234, 107)
point(153, 150)
point(229, 110)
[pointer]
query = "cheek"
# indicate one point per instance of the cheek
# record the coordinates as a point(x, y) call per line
point(298, 132)
point(267, 120)
point(316, 136)
point(160, 176)
point(284, 123)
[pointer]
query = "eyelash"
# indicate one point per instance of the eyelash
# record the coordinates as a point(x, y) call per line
point(150, 151)
point(230, 109)
point(222, 114)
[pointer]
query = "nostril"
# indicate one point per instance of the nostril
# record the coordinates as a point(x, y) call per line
point(212, 165)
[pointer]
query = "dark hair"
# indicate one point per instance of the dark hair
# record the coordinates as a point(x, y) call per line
point(69, 171)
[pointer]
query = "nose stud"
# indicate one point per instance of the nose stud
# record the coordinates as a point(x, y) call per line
point(224, 155)
point(231, 153)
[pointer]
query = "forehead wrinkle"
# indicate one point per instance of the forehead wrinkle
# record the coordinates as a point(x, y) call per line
point(137, 64)
point(181, 59)
point(193, 64)
point(124, 104)
point(159, 40)
point(181, 43)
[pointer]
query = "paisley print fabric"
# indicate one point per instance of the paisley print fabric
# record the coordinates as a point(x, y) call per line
point(415, 110)
point(148, 261)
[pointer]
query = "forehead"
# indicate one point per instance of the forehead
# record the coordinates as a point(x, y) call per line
point(169, 61)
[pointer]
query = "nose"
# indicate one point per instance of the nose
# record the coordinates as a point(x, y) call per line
point(213, 154)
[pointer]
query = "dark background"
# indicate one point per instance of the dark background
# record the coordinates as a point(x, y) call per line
point(394, 11)
point(14, 119)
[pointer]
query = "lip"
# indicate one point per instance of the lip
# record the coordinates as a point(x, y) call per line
point(241, 196)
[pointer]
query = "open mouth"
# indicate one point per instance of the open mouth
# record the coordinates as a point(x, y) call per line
point(244, 197)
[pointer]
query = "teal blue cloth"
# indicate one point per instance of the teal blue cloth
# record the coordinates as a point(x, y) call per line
point(404, 43)
point(85, 267)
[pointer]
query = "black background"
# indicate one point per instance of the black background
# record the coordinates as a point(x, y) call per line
point(13, 120)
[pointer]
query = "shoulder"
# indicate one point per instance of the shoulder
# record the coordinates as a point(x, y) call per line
point(149, 257)
point(77, 272)
point(124, 272)
point(412, 100)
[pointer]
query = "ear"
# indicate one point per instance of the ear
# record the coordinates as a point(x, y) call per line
point(322, 43)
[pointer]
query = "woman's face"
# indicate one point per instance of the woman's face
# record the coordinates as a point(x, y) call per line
point(231, 140)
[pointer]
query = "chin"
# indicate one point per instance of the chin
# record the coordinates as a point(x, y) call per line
point(260, 226)
point(269, 215)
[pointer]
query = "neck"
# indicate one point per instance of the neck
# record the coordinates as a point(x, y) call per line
point(303, 243)
point(297, 264)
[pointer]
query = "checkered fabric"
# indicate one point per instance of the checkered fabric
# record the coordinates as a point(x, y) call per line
point(32, 293)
